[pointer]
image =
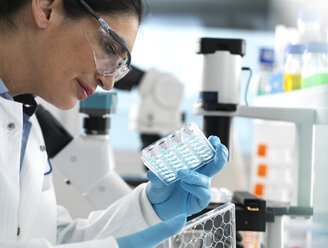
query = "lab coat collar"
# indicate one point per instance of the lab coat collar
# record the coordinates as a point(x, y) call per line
point(4, 91)
point(3, 88)
point(29, 104)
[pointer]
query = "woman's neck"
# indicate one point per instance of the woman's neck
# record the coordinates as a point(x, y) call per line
point(13, 65)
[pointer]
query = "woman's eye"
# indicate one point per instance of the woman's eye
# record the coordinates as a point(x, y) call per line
point(120, 63)
point(109, 49)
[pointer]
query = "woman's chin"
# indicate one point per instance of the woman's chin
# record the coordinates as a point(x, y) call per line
point(64, 105)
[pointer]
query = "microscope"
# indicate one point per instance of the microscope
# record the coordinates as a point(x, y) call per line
point(219, 103)
point(220, 90)
point(87, 161)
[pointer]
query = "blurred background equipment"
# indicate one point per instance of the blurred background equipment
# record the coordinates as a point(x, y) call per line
point(159, 109)
point(301, 198)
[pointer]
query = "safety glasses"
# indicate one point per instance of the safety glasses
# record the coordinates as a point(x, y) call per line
point(111, 54)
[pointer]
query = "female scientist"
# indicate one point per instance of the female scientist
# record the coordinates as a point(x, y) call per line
point(61, 50)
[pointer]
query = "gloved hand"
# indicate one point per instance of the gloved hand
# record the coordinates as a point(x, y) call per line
point(192, 193)
point(154, 235)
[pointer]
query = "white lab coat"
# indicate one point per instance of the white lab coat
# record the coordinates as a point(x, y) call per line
point(28, 203)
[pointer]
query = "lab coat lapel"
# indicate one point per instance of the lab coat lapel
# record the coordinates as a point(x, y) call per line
point(10, 144)
point(32, 175)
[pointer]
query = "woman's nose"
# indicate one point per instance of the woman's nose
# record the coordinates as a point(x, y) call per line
point(105, 82)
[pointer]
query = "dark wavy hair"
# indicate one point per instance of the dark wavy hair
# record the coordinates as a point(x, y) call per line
point(74, 9)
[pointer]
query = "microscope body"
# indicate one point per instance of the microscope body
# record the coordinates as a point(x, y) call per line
point(221, 77)
point(88, 160)
point(88, 163)
point(220, 87)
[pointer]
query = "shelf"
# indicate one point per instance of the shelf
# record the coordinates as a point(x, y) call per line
point(315, 97)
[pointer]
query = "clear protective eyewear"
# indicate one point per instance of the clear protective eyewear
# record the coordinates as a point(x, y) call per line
point(111, 54)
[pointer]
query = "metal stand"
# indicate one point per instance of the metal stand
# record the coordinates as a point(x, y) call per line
point(275, 232)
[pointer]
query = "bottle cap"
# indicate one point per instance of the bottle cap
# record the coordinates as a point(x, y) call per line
point(309, 16)
point(266, 57)
point(295, 49)
point(316, 47)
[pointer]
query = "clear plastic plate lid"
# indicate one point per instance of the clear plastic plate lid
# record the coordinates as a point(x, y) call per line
point(216, 228)
point(186, 148)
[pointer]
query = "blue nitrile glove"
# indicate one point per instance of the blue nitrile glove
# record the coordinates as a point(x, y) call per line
point(192, 193)
point(154, 235)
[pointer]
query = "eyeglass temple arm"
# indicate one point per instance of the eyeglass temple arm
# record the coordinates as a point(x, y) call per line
point(104, 24)
point(88, 8)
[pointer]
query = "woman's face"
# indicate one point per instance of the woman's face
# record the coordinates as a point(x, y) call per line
point(63, 62)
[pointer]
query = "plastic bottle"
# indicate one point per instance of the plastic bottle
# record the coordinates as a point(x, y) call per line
point(266, 62)
point(293, 67)
point(309, 26)
point(315, 65)
point(284, 36)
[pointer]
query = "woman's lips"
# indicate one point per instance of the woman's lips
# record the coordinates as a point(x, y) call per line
point(87, 91)
point(82, 92)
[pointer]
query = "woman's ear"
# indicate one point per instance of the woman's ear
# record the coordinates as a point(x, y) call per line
point(41, 10)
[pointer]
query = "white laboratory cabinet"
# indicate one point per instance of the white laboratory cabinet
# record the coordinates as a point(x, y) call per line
point(274, 164)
